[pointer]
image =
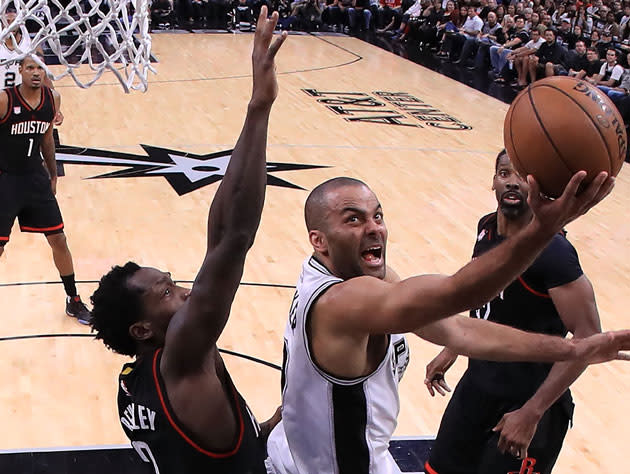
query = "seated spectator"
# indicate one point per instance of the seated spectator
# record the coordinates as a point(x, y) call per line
point(516, 37)
point(626, 16)
point(580, 36)
point(584, 21)
point(448, 13)
point(605, 44)
point(620, 92)
point(451, 27)
point(593, 67)
point(521, 55)
point(610, 72)
point(565, 36)
point(360, 10)
point(548, 60)
point(308, 15)
point(491, 34)
point(611, 27)
point(218, 11)
point(426, 28)
point(412, 12)
point(162, 14)
point(470, 30)
point(243, 16)
point(578, 62)
point(390, 16)
point(556, 17)
point(536, 24)
point(336, 14)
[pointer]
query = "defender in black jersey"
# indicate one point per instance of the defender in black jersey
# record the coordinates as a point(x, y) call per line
point(27, 189)
point(510, 417)
point(177, 402)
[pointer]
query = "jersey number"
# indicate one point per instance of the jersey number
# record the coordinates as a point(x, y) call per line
point(145, 453)
point(30, 147)
point(9, 79)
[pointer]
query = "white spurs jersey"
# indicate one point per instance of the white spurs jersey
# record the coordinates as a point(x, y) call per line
point(9, 73)
point(331, 425)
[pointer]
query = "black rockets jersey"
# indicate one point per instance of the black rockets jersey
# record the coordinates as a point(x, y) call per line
point(160, 439)
point(22, 129)
point(525, 304)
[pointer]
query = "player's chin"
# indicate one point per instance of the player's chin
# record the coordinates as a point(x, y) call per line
point(374, 269)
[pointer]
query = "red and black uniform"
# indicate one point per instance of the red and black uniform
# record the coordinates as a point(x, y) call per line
point(465, 443)
point(161, 439)
point(25, 190)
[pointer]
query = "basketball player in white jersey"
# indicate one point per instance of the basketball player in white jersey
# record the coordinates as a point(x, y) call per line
point(343, 355)
point(11, 49)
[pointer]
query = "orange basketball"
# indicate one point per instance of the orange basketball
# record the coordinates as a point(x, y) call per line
point(561, 125)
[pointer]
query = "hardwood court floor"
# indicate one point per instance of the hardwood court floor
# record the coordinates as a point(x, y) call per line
point(434, 184)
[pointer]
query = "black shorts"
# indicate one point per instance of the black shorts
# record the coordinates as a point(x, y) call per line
point(466, 444)
point(29, 198)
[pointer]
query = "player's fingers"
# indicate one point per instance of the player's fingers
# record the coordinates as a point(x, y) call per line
point(444, 385)
point(273, 49)
point(573, 185)
point(439, 389)
point(587, 197)
point(605, 189)
point(430, 388)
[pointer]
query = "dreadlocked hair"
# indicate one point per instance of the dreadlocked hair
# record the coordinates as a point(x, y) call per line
point(116, 306)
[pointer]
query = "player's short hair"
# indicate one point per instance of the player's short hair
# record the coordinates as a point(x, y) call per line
point(316, 200)
point(116, 306)
point(501, 154)
point(37, 53)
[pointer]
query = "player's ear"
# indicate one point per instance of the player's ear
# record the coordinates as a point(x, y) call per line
point(141, 331)
point(318, 241)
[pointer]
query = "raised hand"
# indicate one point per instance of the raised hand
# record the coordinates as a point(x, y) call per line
point(263, 59)
point(554, 214)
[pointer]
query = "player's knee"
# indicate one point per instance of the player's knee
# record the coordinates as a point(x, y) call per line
point(58, 241)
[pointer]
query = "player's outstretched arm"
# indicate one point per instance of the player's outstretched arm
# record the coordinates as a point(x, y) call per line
point(233, 219)
point(369, 305)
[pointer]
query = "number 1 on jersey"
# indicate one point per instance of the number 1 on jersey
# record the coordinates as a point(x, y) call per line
point(30, 147)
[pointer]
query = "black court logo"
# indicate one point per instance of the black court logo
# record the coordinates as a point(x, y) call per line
point(184, 171)
point(386, 108)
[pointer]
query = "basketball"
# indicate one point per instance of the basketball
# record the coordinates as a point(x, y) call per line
point(561, 125)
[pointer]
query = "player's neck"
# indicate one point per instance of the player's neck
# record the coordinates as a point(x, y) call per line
point(507, 227)
point(30, 93)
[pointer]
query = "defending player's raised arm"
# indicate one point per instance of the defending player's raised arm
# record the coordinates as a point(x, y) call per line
point(233, 219)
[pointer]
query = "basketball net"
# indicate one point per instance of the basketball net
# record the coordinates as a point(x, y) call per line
point(100, 34)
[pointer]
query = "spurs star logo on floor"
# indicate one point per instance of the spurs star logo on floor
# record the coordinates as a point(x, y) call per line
point(184, 171)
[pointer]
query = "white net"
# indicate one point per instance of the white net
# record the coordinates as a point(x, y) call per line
point(96, 34)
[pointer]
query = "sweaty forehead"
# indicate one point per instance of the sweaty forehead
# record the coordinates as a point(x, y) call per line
point(355, 196)
point(146, 277)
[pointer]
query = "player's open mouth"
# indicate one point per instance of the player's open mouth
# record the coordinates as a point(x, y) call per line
point(373, 255)
point(512, 197)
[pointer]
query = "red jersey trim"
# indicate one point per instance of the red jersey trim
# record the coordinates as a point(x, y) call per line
point(26, 104)
point(531, 290)
point(9, 108)
point(41, 229)
point(4, 239)
point(181, 432)
point(429, 469)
